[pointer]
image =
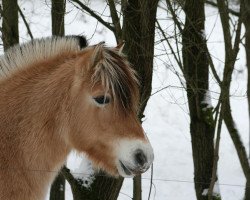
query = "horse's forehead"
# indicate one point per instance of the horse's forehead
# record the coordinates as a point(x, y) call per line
point(98, 88)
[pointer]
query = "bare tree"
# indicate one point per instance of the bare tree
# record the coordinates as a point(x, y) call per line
point(246, 21)
point(57, 191)
point(57, 16)
point(231, 52)
point(195, 63)
point(10, 30)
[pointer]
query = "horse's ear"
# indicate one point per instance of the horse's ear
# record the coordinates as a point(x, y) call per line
point(97, 53)
point(120, 47)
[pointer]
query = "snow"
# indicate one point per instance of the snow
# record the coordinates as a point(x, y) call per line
point(216, 190)
point(81, 169)
point(207, 101)
point(166, 117)
point(203, 34)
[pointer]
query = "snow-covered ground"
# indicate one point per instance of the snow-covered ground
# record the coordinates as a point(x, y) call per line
point(167, 120)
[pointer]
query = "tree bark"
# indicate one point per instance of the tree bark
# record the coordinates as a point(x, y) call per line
point(195, 63)
point(139, 33)
point(246, 21)
point(10, 30)
point(103, 188)
point(57, 13)
point(57, 190)
point(137, 190)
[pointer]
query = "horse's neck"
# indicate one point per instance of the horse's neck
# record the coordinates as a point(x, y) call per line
point(31, 103)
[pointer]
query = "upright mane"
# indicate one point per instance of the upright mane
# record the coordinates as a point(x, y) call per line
point(26, 54)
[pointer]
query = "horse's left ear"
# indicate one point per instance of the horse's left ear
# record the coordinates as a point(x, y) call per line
point(120, 47)
point(97, 53)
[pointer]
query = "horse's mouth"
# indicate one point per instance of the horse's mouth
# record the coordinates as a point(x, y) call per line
point(126, 170)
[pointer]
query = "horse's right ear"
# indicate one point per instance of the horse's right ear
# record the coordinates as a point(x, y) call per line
point(97, 54)
point(120, 47)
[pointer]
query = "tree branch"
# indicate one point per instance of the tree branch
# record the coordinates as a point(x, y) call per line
point(235, 135)
point(238, 33)
point(171, 48)
point(176, 21)
point(116, 21)
point(26, 23)
point(231, 11)
point(223, 9)
point(212, 67)
point(231, 52)
point(93, 14)
point(216, 156)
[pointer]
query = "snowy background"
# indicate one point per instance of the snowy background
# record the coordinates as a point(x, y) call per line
point(167, 119)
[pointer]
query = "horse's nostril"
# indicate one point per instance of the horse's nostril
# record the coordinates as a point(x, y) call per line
point(140, 157)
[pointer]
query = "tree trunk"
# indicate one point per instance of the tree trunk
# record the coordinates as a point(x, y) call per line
point(246, 21)
point(139, 33)
point(137, 190)
point(195, 62)
point(57, 190)
point(103, 188)
point(57, 13)
point(10, 30)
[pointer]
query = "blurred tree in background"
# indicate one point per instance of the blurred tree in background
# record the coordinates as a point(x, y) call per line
point(10, 31)
point(57, 191)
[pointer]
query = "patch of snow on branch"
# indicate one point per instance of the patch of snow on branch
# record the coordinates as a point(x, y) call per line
point(84, 173)
point(216, 190)
point(207, 101)
point(203, 34)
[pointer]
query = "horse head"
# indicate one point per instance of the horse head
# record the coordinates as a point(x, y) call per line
point(103, 114)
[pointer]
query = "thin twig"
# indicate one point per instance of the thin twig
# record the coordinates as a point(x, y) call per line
point(216, 156)
point(115, 20)
point(176, 21)
point(231, 11)
point(93, 14)
point(26, 23)
point(237, 36)
point(171, 48)
point(212, 67)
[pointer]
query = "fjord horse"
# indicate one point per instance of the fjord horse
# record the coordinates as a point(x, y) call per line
point(57, 95)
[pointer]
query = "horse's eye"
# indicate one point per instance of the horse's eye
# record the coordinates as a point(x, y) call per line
point(102, 99)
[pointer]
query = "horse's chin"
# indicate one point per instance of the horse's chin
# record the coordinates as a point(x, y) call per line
point(128, 171)
point(124, 170)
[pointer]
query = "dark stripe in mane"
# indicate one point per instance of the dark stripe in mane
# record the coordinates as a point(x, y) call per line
point(82, 42)
point(116, 74)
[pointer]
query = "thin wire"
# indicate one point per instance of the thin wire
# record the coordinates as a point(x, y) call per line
point(197, 182)
point(126, 195)
point(144, 178)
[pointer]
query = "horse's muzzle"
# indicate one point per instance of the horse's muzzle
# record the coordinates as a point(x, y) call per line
point(135, 157)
